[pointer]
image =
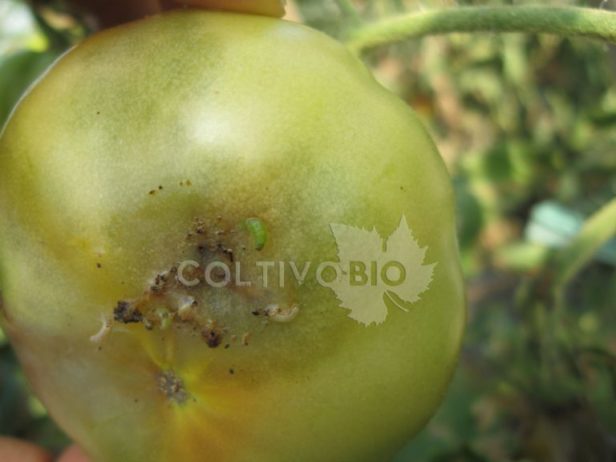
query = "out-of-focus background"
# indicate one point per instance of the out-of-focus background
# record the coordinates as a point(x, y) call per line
point(527, 127)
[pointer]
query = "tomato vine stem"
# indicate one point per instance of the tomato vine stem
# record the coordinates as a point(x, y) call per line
point(597, 230)
point(564, 21)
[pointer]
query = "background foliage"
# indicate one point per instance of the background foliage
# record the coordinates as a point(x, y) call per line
point(527, 127)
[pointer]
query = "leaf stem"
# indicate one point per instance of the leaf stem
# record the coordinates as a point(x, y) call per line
point(597, 230)
point(564, 21)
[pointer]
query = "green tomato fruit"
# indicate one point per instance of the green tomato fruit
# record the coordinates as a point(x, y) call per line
point(222, 240)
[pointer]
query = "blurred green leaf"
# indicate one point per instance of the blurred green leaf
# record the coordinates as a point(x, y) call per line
point(17, 72)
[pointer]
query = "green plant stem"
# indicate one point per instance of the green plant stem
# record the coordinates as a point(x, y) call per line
point(567, 263)
point(563, 21)
point(597, 230)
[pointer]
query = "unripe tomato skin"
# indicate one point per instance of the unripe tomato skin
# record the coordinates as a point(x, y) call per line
point(143, 134)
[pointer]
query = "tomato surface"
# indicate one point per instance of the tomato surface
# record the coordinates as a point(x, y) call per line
point(222, 240)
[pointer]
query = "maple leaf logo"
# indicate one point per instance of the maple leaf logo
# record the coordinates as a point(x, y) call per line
point(375, 271)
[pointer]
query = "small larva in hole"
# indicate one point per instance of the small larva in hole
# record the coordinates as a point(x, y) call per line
point(278, 314)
